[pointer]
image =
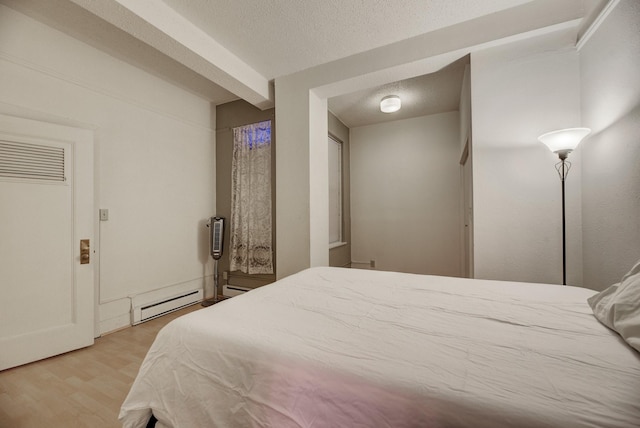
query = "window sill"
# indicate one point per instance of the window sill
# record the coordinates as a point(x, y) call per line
point(336, 245)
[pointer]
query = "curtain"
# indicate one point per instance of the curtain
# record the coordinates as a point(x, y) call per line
point(250, 242)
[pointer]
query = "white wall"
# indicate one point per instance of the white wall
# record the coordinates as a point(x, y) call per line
point(520, 91)
point(292, 182)
point(405, 195)
point(155, 157)
point(610, 67)
point(300, 122)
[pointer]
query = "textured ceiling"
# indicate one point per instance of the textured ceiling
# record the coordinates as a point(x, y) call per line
point(280, 37)
point(228, 49)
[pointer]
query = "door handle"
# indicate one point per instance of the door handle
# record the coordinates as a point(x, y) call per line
point(85, 250)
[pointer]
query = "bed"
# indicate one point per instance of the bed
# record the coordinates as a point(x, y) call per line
point(335, 347)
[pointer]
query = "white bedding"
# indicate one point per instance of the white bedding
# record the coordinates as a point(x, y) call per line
point(331, 347)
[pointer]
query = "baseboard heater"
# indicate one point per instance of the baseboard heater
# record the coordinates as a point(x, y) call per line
point(149, 311)
point(233, 290)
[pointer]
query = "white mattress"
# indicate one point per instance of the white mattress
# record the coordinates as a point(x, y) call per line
point(332, 347)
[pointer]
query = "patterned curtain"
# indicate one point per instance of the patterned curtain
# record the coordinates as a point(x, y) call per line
point(251, 246)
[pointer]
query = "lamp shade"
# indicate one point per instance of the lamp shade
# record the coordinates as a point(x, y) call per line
point(564, 140)
point(390, 103)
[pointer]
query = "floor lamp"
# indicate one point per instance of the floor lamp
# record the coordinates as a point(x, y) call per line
point(563, 142)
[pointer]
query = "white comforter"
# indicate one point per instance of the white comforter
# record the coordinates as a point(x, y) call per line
point(333, 347)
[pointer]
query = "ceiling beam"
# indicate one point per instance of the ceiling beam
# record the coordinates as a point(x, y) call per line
point(159, 26)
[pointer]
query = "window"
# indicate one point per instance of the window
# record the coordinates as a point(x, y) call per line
point(335, 192)
point(250, 234)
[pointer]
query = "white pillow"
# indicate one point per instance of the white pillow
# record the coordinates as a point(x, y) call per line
point(618, 307)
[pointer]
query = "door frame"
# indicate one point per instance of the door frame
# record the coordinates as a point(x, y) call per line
point(466, 179)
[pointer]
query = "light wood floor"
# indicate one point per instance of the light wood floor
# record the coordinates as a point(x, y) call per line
point(83, 388)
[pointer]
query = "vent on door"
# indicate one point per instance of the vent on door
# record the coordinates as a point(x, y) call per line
point(32, 161)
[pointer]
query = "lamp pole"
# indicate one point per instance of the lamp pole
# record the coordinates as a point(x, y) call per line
point(562, 142)
point(563, 169)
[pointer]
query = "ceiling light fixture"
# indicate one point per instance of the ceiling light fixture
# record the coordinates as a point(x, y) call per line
point(390, 103)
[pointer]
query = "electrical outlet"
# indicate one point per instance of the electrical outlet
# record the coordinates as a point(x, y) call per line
point(104, 214)
point(372, 264)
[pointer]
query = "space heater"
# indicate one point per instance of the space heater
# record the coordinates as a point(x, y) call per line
point(216, 238)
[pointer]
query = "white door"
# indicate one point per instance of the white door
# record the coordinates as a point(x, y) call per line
point(46, 208)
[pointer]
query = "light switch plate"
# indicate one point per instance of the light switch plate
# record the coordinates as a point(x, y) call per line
point(104, 214)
